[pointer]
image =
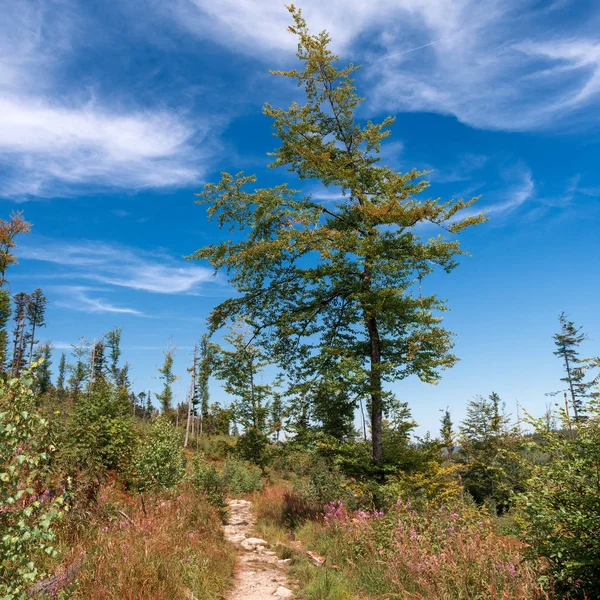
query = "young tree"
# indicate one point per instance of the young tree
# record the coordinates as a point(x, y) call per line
point(166, 374)
point(203, 378)
point(20, 335)
point(5, 312)
point(113, 343)
point(62, 371)
point(239, 368)
point(80, 371)
point(98, 368)
point(447, 434)
point(9, 230)
point(42, 374)
point(149, 406)
point(328, 280)
point(490, 449)
point(276, 416)
point(567, 348)
point(36, 312)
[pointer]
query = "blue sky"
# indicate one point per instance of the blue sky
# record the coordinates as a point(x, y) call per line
point(113, 114)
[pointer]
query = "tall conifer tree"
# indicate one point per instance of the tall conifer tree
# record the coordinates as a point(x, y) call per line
point(36, 317)
point(166, 374)
point(567, 343)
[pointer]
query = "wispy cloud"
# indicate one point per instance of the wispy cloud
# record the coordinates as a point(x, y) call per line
point(53, 142)
point(119, 266)
point(85, 299)
point(520, 188)
point(492, 64)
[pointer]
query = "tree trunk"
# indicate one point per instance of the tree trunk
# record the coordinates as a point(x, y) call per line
point(569, 377)
point(31, 344)
point(375, 387)
point(376, 391)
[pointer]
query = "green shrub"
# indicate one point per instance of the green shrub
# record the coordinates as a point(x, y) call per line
point(251, 445)
point(204, 478)
point(159, 462)
point(102, 431)
point(325, 484)
point(241, 478)
point(28, 504)
point(560, 511)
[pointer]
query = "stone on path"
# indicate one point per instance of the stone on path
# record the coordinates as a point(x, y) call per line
point(259, 571)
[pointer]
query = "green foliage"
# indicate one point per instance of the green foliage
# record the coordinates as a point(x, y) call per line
point(251, 445)
point(353, 306)
point(560, 511)
point(29, 505)
point(567, 349)
point(166, 374)
point(204, 478)
point(324, 484)
point(42, 359)
point(102, 428)
point(159, 462)
point(5, 312)
point(240, 477)
point(239, 367)
point(492, 454)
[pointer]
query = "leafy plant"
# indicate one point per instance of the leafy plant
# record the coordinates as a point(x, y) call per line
point(102, 428)
point(29, 506)
point(159, 462)
point(560, 511)
point(204, 478)
point(240, 477)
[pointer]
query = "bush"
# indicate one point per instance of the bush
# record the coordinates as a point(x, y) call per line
point(560, 511)
point(326, 484)
point(28, 504)
point(442, 553)
point(102, 428)
point(241, 478)
point(204, 478)
point(159, 462)
point(251, 445)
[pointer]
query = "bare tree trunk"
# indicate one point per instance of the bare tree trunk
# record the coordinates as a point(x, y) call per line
point(364, 424)
point(190, 417)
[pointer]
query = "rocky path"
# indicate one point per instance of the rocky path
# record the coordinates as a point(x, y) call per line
point(260, 575)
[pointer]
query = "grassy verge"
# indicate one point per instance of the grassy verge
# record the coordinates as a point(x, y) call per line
point(173, 550)
point(430, 553)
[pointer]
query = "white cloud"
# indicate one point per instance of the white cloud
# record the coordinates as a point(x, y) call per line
point(55, 139)
point(120, 266)
point(520, 189)
point(80, 298)
point(498, 64)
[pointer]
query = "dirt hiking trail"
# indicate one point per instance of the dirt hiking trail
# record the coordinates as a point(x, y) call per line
point(260, 575)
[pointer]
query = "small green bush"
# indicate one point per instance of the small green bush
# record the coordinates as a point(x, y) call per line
point(241, 478)
point(159, 462)
point(204, 478)
point(101, 432)
point(29, 506)
point(251, 445)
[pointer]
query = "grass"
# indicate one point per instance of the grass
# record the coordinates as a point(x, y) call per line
point(406, 554)
point(174, 551)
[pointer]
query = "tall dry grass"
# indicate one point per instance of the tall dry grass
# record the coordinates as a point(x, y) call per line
point(174, 550)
